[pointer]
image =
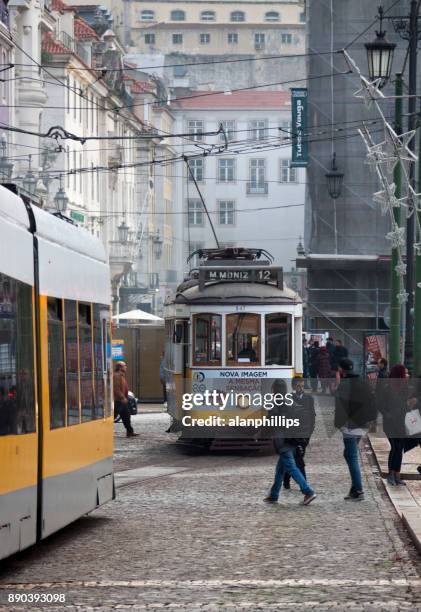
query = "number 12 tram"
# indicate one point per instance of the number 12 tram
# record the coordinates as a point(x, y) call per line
point(231, 326)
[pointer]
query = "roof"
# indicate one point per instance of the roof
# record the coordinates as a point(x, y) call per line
point(51, 45)
point(258, 100)
point(228, 293)
point(83, 30)
point(60, 6)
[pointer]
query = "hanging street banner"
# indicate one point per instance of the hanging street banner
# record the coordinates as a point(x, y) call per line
point(299, 127)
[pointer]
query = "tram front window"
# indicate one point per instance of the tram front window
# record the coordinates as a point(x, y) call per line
point(278, 339)
point(207, 340)
point(243, 339)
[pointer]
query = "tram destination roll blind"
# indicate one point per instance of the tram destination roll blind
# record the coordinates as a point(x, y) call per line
point(272, 275)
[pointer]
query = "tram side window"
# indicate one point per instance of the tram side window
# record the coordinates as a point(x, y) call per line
point(169, 338)
point(56, 363)
point(85, 356)
point(278, 330)
point(207, 339)
point(243, 339)
point(17, 389)
point(72, 363)
point(99, 363)
point(106, 336)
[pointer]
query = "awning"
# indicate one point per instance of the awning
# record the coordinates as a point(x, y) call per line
point(137, 315)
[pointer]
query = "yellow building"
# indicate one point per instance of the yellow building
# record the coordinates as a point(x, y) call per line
point(211, 27)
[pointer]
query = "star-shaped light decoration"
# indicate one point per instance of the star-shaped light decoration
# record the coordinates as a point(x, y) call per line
point(396, 236)
point(417, 248)
point(402, 297)
point(400, 143)
point(369, 91)
point(414, 198)
point(400, 268)
point(386, 198)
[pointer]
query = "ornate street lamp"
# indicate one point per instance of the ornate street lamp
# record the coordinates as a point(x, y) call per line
point(123, 232)
point(380, 55)
point(334, 180)
point(6, 166)
point(29, 181)
point(61, 200)
point(300, 248)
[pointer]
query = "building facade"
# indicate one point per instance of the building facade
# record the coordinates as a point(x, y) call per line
point(254, 197)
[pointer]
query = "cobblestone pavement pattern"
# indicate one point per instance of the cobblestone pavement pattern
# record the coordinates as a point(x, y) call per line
point(200, 538)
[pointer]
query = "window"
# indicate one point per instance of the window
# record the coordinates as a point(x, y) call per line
point(243, 339)
point(207, 16)
point(226, 212)
point(258, 129)
point(207, 339)
point(178, 15)
point(147, 15)
point(288, 173)
point(257, 184)
point(259, 40)
point(286, 39)
point(17, 389)
point(232, 38)
point(204, 39)
point(226, 170)
point(229, 129)
point(56, 363)
point(197, 168)
point(302, 17)
point(177, 39)
point(72, 363)
point(272, 16)
point(100, 362)
point(278, 330)
point(195, 212)
point(238, 16)
point(195, 128)
point(285, 130)
point(85, 356)
point(149, 39)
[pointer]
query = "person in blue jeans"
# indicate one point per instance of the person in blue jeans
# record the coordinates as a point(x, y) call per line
point(286, 462)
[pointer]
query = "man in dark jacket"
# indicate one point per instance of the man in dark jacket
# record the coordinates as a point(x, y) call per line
point(339, 352)
point(303, 409)
point(354, 410)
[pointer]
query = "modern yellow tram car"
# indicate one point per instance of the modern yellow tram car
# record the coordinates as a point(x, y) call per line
point(231, 326)
point(56, 424)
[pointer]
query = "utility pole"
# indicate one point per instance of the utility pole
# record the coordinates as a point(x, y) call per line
point(410, 224)
point(395, 306)
point(417, 305)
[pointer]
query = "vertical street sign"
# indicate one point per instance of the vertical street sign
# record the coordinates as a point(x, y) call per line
point(298, 127)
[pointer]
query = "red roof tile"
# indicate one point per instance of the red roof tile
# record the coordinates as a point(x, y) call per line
point(140, 87)
point(51, 45)
point(83, 31)
point(61, 6)
point(258, 100)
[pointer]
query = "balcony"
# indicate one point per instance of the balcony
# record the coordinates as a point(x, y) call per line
point(257, 188)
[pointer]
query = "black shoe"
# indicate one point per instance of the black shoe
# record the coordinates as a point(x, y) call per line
point(355, 495)
point(270, 500)
point(419, 469)
point(131, 434)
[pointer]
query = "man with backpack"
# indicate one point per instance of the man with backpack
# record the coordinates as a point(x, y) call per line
point(355, 408)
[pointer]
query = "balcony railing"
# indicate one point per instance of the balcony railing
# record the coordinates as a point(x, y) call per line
point(257, 188)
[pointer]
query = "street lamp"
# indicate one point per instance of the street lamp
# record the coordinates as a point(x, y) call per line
point(157, 244)
point(380, 55)
point(29, 180)
point(61, 200)
point(300, 247)
point(6, 166)
point(123, 232)
point(334, 180)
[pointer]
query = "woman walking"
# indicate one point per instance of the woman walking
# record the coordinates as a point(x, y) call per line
point(395, 405)
point(324, 368)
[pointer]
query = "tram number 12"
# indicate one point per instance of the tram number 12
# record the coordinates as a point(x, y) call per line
point(263, 275)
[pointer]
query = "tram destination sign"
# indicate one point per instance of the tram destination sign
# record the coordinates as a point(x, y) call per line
point(222, 274)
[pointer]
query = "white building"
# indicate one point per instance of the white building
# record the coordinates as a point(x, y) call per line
point(255, 197)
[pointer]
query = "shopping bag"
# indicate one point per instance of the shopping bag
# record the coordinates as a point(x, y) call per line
point(413, 422)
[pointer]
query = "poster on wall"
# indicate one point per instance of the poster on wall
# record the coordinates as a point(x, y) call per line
point(375, 347)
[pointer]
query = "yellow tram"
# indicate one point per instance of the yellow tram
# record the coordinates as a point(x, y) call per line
point(231, 326)
point(56, 424)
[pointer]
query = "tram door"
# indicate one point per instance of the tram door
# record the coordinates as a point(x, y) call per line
point(177, 359)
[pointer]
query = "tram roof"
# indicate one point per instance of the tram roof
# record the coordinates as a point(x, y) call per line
point(236, 293)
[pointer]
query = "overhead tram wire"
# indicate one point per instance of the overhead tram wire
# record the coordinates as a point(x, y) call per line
point(193, 178)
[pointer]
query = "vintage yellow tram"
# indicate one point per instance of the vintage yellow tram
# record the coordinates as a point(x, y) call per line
point(231, 326)
point(56, 424)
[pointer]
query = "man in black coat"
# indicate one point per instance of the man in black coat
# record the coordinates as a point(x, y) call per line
point(339, 352)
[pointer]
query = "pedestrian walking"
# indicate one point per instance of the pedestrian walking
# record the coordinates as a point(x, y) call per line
point(394, 407)
point(339, 352)
point(303, 409)
point(324, 368)
point(382, 371)
point(354, 409)
point(286, 462)
point(314, 365)
point(121, 394)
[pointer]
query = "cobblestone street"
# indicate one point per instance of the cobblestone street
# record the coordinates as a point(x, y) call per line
point(189, 530)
